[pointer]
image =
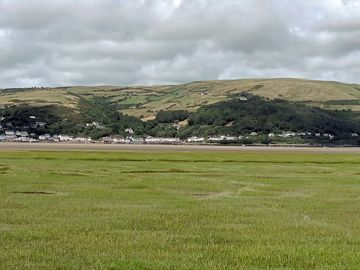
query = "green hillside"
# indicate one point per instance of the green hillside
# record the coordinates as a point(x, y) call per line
point(146, 101)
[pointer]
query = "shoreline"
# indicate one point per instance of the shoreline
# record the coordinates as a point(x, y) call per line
point(18, 146)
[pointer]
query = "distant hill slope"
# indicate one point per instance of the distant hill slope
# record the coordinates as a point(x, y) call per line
point(254, 113)
point(243, 118)
point(146, 101)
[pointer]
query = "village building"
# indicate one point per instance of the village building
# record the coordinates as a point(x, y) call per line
point(64, 138)
point(195, 139)
point(45, 137)
point(129, 130)
point(162, 140)
point(216, 138)
point(9, 133)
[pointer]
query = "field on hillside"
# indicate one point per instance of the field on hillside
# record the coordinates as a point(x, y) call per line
point(146, 101)
point(191, 210)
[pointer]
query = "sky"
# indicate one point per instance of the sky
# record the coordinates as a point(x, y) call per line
point(145, 42)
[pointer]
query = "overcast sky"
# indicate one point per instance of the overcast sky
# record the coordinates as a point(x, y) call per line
point(119, 42)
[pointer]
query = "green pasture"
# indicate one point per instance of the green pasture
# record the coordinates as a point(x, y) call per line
point(198, 210)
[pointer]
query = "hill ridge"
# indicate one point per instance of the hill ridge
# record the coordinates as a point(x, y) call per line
point(145, 101)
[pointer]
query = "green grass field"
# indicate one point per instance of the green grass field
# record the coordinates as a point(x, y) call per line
point(199, 210)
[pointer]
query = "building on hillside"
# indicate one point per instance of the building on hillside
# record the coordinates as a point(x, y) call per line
point(40, 124)
point(24, 134)
point(129, 130)
point(95, 125)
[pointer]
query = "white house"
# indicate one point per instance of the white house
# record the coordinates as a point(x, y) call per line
point(162, 140)
point(44, 137)
point(65, 138)
point(82, 139)
point(129, 130)
point(230, 138)
point(9, 133)
point(216, 138)
point(24, 134)
point(196, 139)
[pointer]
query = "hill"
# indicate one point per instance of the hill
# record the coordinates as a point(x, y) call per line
point(267, 119)
point(146, 101)
point(268, 108)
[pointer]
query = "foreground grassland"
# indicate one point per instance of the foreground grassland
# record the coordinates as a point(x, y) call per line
point(204, 210)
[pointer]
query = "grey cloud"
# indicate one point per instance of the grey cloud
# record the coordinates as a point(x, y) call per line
point(65, 42)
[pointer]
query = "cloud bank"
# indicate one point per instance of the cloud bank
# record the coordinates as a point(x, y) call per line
point(94, 42)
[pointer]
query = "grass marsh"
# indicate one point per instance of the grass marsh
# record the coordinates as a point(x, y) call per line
point(196, 210)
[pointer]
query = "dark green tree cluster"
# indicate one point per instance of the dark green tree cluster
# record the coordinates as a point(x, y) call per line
point(239, 116)
point(58, 119)
point(171, 116)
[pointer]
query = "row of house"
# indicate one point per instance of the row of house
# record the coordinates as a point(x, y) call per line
point(25, 136)
point(63, 138)
point(211, 139)
point(138, 140)
point(34, 125)
point(289, 134)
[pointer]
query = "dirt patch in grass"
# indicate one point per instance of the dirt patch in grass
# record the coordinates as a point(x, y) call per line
point(69, 174)
point(163, 171)
point(34, 192)
point(3, 170)
point(200, 194)
point(208, 195)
